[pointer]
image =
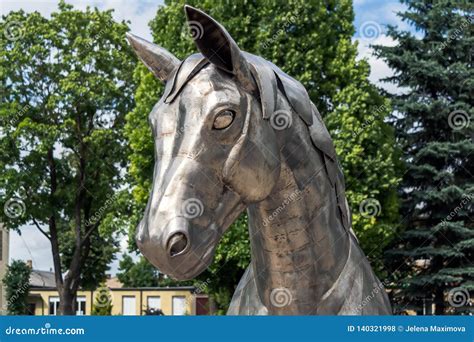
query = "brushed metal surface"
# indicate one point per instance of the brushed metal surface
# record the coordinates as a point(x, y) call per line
point(275, 159)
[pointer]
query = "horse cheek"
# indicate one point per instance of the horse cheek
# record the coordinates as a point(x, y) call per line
point(252, 170)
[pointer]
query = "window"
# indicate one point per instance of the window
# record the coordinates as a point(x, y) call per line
point(129, 306)
point(154, 302)
point(81, 306)
point(53, 305)
point(179, 305)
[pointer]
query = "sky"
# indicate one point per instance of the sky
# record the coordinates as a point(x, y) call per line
point(371, 20)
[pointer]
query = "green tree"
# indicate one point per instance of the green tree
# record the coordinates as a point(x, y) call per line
point(66, 86)
point(143, 274)
point(17, 285)
point(102, 302)
point(311, 41)
point(433, 259)
point(140, 274)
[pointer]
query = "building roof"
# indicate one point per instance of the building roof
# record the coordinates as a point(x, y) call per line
point(113, 283)
point(42, 279)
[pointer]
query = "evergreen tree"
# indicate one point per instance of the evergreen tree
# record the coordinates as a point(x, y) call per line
point(433, 259)
point(17, 285)
point(102, 302)
point(311, 41)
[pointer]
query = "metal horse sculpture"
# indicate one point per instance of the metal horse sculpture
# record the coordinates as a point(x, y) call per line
point(234, 132)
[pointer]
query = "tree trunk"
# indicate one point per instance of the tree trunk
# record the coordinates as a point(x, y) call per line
point(66, 302)
point(439, 301)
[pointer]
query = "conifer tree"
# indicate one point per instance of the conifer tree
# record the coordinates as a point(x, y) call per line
point(433, 259)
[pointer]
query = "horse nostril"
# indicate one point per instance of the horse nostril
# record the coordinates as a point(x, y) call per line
point(177, 243)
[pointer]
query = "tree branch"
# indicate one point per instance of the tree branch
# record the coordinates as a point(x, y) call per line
point(41, 229)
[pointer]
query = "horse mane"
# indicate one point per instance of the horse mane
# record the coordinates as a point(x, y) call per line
point(269, 79)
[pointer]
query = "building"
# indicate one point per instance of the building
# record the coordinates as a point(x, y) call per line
point(4, 254)
point(43, 298)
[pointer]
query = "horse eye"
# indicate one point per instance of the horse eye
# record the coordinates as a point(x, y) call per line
point(223, 119)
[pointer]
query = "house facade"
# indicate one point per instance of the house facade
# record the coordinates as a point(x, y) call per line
point(43, 298)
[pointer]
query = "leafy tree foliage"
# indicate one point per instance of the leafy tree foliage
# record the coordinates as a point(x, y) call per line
point(311, 41)
point(433, 259)
point(17, 285)
point(140, 274)
point(66, 86)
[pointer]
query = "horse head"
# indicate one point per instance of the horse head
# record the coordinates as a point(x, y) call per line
point(215, 148)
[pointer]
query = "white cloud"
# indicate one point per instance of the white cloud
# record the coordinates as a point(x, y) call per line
point(139, 13)
point(31, 245)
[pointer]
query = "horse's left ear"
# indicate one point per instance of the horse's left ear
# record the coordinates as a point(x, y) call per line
point(216, 44)
point(158, 60)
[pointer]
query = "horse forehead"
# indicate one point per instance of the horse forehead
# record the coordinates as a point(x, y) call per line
point(204, 90)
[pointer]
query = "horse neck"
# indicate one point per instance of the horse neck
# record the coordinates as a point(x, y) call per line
point(299, 246)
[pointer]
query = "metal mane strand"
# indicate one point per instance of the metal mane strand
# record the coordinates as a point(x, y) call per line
point(269, 78)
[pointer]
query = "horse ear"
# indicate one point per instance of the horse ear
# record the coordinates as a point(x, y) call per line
point(216, 44)
point(158, 60)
